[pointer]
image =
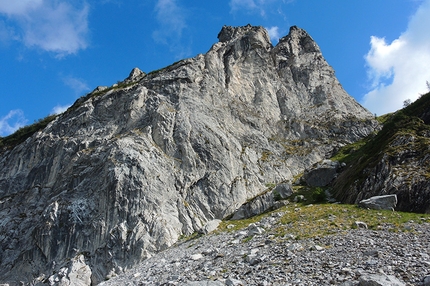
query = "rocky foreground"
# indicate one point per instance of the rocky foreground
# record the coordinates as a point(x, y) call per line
point(258, 256)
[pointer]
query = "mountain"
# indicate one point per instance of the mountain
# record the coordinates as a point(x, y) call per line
point(130, 168)
point(394, 161)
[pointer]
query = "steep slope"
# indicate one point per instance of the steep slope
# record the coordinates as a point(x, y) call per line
point(395, 161)
point(128, 169)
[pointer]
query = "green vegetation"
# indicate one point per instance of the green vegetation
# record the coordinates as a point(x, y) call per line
point(317, 220)
point(409, 121)
point(25, 132)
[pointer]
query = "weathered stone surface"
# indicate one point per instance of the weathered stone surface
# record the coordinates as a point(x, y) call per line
point(322, 174)
point(256, 206)
point(77, 272)
point(395, 162)
point(282, 191)
point(135, 75)
point(210, 226)
point(426, 281)
point(379, 280)
point(127, 170)
point(387, 202)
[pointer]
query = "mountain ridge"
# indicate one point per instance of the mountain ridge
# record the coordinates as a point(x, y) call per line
point(130, 168)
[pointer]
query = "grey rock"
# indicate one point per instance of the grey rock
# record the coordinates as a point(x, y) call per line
point(204, 283)
point(387, 202)
point(256, 206)
point(379, 280)
point(135, 75)
point(322, 174)
point(233, 282)
point(210, 226)
point(426, 281)
point(127, 170)
point(342, 261)
point(360, 224)
point(299, 198)
point(283, 191)
point(254, 229)
point(397, 172)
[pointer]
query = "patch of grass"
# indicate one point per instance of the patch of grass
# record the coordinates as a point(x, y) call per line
point(9, 142)
point(312, 195)
point(265, 155)
point(365, 154)
point(318, 195)
point(308, 221)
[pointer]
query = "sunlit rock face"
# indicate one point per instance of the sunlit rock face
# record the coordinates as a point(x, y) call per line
point(128, 169)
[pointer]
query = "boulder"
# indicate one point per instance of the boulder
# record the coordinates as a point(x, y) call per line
point(426, 281)
point(387, 202)
point(322, 174)
point(282, 191)
point(256, 206)
point(379, 280)
point(210, 226)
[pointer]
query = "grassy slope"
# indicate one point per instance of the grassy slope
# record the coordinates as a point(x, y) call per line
point(411, 120)
point(9, 142)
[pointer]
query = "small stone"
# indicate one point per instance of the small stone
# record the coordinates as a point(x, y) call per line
point(233, 282)
point(254, 230)
point(360, 224)
point(317, 248)
point(196, 256)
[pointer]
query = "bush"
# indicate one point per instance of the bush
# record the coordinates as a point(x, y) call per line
point(318, 195)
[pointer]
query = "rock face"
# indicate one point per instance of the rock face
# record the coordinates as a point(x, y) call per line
point(387, 202)
point(396, 161)
point(322, 174)
point(128, 169)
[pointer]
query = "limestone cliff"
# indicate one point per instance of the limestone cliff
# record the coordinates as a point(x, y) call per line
point(128, 169)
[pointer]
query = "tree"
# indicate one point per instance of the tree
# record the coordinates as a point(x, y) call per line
point(407, 102)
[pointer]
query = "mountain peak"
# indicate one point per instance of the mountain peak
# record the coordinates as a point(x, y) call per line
point(257, 33)
point(298, 41)
point(129, 169)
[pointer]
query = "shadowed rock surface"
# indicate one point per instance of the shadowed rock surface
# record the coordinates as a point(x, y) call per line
point(130, 168)
point(396, 161)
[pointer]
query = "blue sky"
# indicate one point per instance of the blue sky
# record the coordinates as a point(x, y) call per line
point(54, 51)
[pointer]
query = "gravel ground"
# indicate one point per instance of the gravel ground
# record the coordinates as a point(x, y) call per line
point(255, 256)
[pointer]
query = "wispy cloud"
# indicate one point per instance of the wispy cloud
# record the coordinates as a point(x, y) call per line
point(171, 19)
point(53, 26)
point(273, 33)
point(12, 121)
point(59, 109)
point(78, 85)
point(251, 6)
point(399, 70)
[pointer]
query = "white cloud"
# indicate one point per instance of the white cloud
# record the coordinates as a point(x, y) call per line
point(171, 19)
point(78, 85)
point(273, 33)
point(399, 70)
point(60, 109)
point(11, 122)
point(251, 6)
point(53, 26)
point(243, 4)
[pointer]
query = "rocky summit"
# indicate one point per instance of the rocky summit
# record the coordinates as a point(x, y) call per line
point(130, 168)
